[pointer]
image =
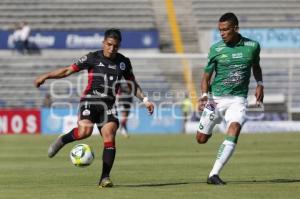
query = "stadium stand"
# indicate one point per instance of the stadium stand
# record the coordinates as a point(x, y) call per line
point(159, 75)
point(17, 72)
point(254, 13)
point(75, 14)
point(17, 75)
point(187, 25)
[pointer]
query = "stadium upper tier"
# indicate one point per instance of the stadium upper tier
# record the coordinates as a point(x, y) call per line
point(76, 14)
point(251, 13)
point(160, 75)
point(158, 78)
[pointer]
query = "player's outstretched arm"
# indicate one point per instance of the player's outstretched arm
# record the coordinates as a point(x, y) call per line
point(140, 94)
point(56, 74)
point(259, 91)
point(149, 105)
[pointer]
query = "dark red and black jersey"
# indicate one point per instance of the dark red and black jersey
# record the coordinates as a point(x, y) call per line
point(104, 75)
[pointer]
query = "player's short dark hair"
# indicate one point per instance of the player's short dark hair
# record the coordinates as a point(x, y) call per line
point(231, 17)
point(113, 33)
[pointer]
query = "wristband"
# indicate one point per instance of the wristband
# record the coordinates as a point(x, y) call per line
point(260, 83)
point(204, 95)
point(145, 99)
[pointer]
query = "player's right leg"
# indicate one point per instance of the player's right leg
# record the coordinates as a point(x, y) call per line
point(108, 132)
point(84, 130)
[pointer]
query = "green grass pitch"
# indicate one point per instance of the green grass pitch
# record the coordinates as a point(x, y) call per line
point(153, 166)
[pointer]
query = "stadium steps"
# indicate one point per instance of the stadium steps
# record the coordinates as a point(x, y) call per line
point(18, 72)
point(73, 14)
point(255, 13)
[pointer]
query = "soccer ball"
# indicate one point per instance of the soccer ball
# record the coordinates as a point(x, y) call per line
point(82, 155)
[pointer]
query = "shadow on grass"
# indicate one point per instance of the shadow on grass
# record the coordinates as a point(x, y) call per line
point(159, 184)
point(271, 181)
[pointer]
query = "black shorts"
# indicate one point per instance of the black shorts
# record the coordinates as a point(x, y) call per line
point(98, 112)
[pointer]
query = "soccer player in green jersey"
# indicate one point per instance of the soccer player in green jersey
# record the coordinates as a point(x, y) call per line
point(224, 97)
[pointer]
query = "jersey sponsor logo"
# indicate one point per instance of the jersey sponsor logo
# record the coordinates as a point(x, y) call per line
point(210, 107)
point(122, 66)
point(82, 59)
point(101, 64)
point(95, 92)
point(234, 78)
point(111, 111)
point(249, 43)
point(112, 67)
point(201, 126)
point(211, 116)
point(223, 56)
point(86, 112)
point(237, 55)
point(238, 66)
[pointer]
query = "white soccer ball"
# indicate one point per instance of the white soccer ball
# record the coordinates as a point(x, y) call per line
point(82, 155)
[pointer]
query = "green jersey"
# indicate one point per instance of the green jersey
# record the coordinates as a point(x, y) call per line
point(232, 66)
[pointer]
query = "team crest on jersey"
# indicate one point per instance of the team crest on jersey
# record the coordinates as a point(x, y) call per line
point(122, 66)
point(82, 59)
point(86, 112)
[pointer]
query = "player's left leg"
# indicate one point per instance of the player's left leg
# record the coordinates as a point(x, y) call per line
point(235, 118)
point(108, 132)
point(84, 130)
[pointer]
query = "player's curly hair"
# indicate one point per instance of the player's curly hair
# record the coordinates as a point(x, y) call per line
point(229, 16)
point(113, 33)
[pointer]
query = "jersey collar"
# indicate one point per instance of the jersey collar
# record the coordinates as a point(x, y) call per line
point(239, 43)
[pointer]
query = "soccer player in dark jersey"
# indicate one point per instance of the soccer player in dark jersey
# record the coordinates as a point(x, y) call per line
point(231, 61)
point(125, 99)
point(105, 70)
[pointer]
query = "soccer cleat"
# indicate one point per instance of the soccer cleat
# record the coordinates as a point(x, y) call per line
point(124, 133)
point(105, 182)
point(55, 147)
point(215, 180)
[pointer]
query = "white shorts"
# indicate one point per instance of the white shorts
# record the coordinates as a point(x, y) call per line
point(229, 109)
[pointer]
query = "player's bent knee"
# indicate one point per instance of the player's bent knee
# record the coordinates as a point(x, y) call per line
point(234, 128)
point(202, 138)
point(86, 132)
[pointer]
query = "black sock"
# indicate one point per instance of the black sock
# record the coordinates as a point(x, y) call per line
point(71, 136)
point(108, 158)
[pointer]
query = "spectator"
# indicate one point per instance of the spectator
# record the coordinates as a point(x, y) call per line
point(24, 36)
point(47, 102)
point(17, 38)
point(187, 107)
point(21, 38)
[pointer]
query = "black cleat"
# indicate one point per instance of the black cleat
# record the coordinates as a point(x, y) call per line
point(215, 180)
point(105, 183)
point(55, 147)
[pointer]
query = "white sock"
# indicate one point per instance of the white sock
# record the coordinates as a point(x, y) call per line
point(224, 153)
point(124, 132)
